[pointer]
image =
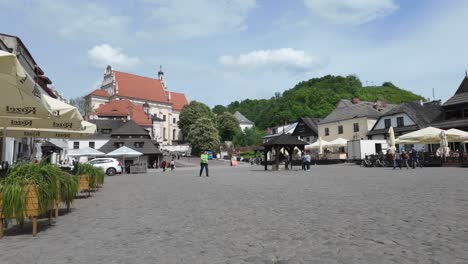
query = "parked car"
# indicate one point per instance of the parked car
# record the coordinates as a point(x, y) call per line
point(110, 166)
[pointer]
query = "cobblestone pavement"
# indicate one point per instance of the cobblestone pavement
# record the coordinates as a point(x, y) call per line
point(331, 214)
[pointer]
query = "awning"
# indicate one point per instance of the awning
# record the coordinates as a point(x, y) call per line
point(85, 152)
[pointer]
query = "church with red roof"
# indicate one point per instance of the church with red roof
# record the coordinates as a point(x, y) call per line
point(145, 100)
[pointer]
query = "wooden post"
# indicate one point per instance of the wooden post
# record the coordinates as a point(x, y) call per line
point(291, 151)
point(50, 216)
point(277, 153)
point(265, 155)
point(56, 210)
point(34, 226)
point(1, 228)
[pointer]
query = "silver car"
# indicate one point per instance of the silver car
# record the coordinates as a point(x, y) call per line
point(110, 166)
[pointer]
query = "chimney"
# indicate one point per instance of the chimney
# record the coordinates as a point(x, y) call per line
point(355, 100)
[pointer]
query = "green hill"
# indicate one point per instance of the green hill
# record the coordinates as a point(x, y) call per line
point(316, 97)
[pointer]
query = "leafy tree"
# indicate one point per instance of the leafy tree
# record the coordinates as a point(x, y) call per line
point(227, 125)
point(316, 97)
point(219, 109)
point(248, 137)
point(203, 135)
point(191, 113)
point(82, 105)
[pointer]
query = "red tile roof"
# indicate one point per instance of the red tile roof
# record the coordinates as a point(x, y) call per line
point(178, 101)
point(99, 92)
point(139, 87)
point(122, 108)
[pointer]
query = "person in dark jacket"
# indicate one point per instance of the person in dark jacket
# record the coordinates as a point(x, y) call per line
point(163, 165)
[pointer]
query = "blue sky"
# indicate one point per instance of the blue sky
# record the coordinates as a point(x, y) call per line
point(217, 51)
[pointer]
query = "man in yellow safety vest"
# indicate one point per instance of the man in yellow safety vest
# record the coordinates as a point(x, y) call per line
point(204, 163)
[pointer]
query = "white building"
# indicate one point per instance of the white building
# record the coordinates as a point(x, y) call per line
point(244, 122)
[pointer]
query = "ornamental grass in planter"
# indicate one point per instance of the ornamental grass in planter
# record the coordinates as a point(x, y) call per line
point(28, 190)
point(89, 177)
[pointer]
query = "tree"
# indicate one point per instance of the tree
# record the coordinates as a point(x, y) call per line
point(219, 109)
point(316, 97)
point(191, 113)
point(82, 105)
point(248, 137)
point(227, 125)
point(203, 135)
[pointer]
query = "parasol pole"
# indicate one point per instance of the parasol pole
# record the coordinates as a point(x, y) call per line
point(4, 144)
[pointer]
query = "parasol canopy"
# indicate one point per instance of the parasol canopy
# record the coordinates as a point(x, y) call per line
point(316, 144)
point(391, 134)
point(339, 142)
point(88, 152)
point(124, 152)
point(429, 135)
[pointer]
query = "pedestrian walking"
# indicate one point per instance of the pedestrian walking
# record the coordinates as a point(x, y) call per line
point(163, 165)
point(307, 161)
point(405, 158)
point(172, 164)
point(204, 163)
point(396, 160)
point(415, 158)
point(303, 161)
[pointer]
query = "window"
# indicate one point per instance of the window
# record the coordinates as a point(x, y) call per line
point(173, 134)
point(76, 145)
point(340, 129)
point(356, 127)
point(106, 131)
point(92, 144)
point(164, 134)
point(164, 117)
point(327, 131)
point(139, 144)
point(118, 144)
point(174, 120)
point(400, 121)
point(465, 113)
point(388, 123)
point(308, 139)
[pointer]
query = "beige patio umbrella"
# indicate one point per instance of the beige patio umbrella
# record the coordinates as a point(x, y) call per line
point(391, 134)
point(61, 116)
point(462, 134)
point(429, 135)
point(20, 95)
point(443, 150)
point(339, 142)
point(320, 146)
point(316, 144)
point(19, 132)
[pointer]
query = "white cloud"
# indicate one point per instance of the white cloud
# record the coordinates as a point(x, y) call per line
point(285, 59)
point(72, 20)
point(102, 55)
point(351, 11)
point(199, 18)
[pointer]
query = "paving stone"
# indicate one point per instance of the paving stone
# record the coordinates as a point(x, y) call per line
point(331, 214)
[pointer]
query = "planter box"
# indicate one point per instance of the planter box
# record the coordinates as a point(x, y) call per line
point(32, 209)
point(83, 184)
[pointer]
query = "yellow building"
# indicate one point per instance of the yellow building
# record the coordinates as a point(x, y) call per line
point(352, 119)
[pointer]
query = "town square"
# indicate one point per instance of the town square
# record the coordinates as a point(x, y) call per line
point(234, 131)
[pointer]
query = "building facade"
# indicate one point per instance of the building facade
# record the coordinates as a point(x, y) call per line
point(150, 93)
point(244, 122)
point(406, 118)
point(307, 129)
point(352, 119)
